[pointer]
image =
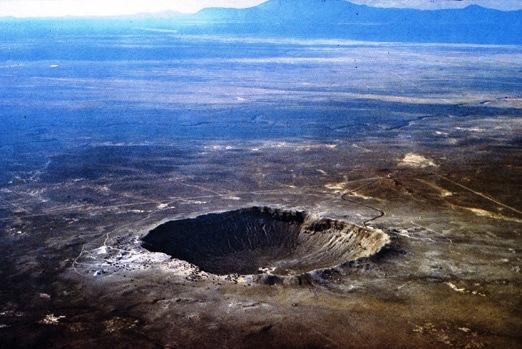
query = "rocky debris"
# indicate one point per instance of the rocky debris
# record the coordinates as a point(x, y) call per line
point(44, 296)
point(458, 337)
point(416, 161)
point(51, 319)
point(464, 290)
point(117, 324)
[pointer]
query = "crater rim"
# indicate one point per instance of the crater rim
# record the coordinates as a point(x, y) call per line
point(278, 243)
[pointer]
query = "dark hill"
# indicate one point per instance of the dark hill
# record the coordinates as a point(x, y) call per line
point(339, 18)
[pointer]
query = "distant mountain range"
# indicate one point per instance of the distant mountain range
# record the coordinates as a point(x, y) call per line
point(333, 19)
point(340, 18)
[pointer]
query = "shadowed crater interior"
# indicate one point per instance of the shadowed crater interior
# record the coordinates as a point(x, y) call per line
point(258, 239)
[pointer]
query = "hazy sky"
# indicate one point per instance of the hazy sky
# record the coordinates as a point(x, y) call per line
point(46, 8)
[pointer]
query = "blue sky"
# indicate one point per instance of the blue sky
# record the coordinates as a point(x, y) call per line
point(46, 8)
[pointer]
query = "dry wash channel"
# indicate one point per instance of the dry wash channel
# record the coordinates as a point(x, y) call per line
point(257, 239)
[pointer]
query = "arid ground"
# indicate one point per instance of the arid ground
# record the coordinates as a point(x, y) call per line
point(105, 138)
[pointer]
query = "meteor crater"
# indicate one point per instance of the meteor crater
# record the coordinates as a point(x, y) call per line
point(257, 240)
